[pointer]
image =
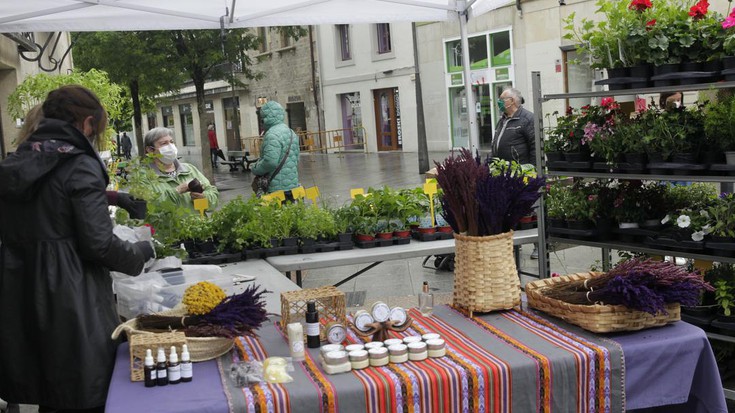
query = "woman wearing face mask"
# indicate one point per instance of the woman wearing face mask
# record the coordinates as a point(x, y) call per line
point(57, 309)
point(177, 181)
point(671, 100)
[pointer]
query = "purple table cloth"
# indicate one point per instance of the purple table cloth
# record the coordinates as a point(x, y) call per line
point(670, 365)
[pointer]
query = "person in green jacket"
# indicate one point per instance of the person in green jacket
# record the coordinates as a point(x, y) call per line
point(275, 141)
point(174, 177)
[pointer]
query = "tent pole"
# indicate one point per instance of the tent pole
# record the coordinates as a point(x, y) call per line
point(471, 112)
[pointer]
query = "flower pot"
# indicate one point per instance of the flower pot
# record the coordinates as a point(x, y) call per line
point(651, 223)
point(581, 224)
point(725, 324)
point(692, 67)
point(664, 70)
point(700, 310)
point(444, 229)
point(714, 66)
point(290, 242)
point(428, 230)
point(730, 157)
point(614, 73)
point(642, 72)
point(685, 157)
point(728, 65)
point(557, 223)
point(654, 157)
point(604, 229)
point(628, 225)
point(554, 156)
point(637, 158)
point(308, 241)
point(528, 219)
point(384, 235)
point(344, 237)
point(364, 237)
point(576, 156)
point(402, 234)
point(714, 157)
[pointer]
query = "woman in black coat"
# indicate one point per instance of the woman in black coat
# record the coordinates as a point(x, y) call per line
point(56, 249)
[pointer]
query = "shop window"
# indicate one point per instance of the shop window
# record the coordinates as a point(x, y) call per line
point(343, 36)
point(384, 42)
point(577, 77)
point(478, 54)
point(500, 49)
point(187, 125)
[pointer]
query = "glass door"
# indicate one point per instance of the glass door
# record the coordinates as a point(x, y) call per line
point(386, 125)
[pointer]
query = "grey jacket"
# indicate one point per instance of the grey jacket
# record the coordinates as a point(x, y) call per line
point(516, 140)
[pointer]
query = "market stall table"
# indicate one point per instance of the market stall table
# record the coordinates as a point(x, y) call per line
point(264, 275)
point(300, 262)
point(663, 366)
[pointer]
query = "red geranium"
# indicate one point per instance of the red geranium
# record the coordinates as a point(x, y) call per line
point(650, 24)
point(699, 10)
point(640, 5)
point(153, 231)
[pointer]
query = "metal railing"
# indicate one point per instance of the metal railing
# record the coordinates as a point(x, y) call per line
point(335, 140)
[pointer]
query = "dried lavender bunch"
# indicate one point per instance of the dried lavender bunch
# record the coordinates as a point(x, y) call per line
point(458, 177)
point(504, 199)
point(640, 285)
point(236, 315)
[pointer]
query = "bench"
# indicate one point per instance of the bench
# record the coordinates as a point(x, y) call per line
point(238, 159)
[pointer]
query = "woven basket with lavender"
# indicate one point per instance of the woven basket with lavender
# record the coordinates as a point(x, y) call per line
point(636, 294)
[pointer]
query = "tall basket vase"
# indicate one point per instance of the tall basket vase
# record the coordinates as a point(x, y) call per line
point(485, 274)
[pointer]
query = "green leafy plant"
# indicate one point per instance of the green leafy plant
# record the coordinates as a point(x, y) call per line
point(725, 296)
point(722, 213)
point(719, 123)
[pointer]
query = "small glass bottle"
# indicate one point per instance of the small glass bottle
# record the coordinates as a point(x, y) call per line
point(426, 301)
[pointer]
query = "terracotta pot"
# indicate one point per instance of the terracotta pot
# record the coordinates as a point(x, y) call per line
point(402, 234)
point(445, 228)
point(364, 237)
point(384, 235)
point(430, 230)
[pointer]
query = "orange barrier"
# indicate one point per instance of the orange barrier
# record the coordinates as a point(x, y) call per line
point(335, 140)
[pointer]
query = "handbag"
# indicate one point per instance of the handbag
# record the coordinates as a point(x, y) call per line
point(262, 182)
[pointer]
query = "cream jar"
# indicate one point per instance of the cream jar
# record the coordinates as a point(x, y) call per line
point(380, 311)
point(417, 351)
point(373, 344)
point(398, 353)
point(398, 316)
point(362, 319)
point(352, 347)
point(379, 356)
point(391, 341)
point(359, 359)
point(411, 339)
point(430, 336)
point(437, 347)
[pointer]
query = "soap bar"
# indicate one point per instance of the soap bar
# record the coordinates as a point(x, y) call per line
point(398, 353)
point(379, 356)
point(336, 358)
point(359, 359)
point(437, 347)
point(417, 351)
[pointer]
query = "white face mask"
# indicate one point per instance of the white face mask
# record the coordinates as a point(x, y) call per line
point(677, 104)
point(168, 153)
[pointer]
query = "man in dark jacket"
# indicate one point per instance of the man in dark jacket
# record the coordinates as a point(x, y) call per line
point(56, 249)
point(514, 138)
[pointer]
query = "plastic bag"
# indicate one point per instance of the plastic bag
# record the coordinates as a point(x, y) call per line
point(271, 370)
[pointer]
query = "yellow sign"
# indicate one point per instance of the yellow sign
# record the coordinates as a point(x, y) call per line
point(430, 190)
point(356, 191)
point(201, 205)
point(298, 192)
point(430, 180)
point(279, 194)
point(312, 193)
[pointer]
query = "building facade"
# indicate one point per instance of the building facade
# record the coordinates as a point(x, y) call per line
point(288, 74)
point(367, 77)
point(23, 55)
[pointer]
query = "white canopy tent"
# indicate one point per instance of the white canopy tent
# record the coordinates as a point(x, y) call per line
point(127, 15)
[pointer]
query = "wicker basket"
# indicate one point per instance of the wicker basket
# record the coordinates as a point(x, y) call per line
point(330, 303)
point(200, 348)
point(596, 318)
point(485, 275)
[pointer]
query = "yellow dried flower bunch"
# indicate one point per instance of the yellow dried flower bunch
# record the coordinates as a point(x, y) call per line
point(202, 297)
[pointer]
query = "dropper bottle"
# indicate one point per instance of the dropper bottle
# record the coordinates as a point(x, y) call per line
point(426, 301)
point(174, 369)
point(187, 372)
point(161, 375)
point(149, 369)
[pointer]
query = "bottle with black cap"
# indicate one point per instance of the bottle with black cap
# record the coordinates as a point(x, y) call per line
point(312, 325)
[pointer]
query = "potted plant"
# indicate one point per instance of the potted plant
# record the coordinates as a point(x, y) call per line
point(627, 141)
point(652, 200)
point(719, 126)
point(708, 306)
point(579, 210)
point(557, 137)
point(725, 297)
point(627, 208)
point(555, 201)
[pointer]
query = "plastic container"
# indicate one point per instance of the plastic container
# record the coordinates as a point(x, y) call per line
point(157, 291)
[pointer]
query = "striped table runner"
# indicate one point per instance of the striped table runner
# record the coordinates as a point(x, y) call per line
point(509, 361)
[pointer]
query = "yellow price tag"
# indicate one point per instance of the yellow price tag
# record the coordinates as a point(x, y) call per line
point(356, 191)
point(201, 205)
point(266, 198)
point(431, 180)
point(279, 194)
point(298, 192)
point(430, 190)
point(312, 193)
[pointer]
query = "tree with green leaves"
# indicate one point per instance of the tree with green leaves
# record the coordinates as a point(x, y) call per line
point(134, 59)
point(34, 90)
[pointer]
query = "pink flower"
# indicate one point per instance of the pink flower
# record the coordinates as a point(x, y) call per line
point(729, 21)
point(606, 102)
